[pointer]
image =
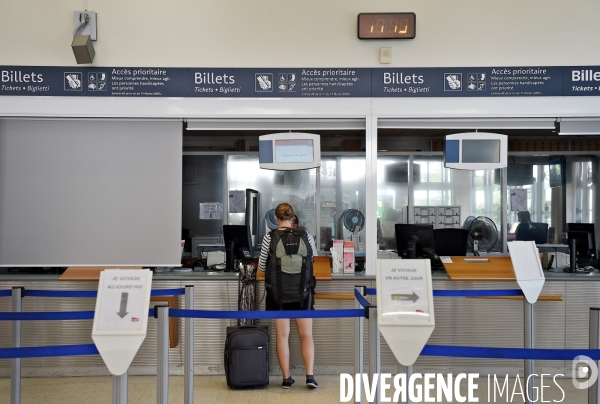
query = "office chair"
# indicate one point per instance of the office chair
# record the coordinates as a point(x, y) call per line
point(541, 234)
point(451, 242)
point(538, 233)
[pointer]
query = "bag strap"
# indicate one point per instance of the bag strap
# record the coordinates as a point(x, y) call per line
point(279, 280)
point(276, 261)
point(301, 289)
point(286, 242)
point(271, 256)
point(274, 240)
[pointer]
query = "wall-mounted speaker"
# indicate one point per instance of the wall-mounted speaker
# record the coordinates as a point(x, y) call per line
point(83, 49)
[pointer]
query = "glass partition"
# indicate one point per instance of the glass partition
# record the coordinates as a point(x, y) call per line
point(475, 192)
point(528, 189)
point(432, 184)
point(555, 190)
point(203, 180)
point(486, 201)
point(298, 188)
point(581, 189)
point(342, 192)
point(392, 197)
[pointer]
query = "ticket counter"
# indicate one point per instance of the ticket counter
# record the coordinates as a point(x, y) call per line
point(459, 321)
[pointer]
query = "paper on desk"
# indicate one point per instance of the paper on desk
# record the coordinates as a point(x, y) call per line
point(337, 261)
point(445, 259)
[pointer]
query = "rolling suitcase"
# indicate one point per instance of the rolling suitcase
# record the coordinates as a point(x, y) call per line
point(247, 356)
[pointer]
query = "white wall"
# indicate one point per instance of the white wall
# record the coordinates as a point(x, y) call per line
point(308, 33)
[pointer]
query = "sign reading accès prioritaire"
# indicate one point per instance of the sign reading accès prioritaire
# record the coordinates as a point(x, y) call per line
point(298, 82)
point(404, 291)
point(123, 303)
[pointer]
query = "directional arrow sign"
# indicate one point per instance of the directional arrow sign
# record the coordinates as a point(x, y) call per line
point(122, 292)
point(405, 306)
point(403, 282)
point(413, 297)
point(123, 311)
point(121, 316)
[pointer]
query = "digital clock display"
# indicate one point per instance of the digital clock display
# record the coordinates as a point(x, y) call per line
point(386, 25)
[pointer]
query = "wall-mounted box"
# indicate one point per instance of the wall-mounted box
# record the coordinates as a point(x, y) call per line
point(439, 216)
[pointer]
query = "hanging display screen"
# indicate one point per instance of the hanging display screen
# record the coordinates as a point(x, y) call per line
point(289, 151)
point(294, 151)
point(475, 151)
point(480, 151)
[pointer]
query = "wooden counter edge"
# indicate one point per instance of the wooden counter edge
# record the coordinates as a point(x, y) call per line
point(334, 296)
point(83, 274)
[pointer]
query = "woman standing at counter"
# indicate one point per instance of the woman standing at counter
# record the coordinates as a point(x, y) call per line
point(285, 215)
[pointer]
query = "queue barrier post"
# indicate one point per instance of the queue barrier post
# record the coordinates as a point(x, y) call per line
point(188, 364)
point(374, 349)
point(120, 390)
point(359, 339)
point(15, 381)
point(593, 391)
point(408, 370)
point(162, 351)
point(529, 370)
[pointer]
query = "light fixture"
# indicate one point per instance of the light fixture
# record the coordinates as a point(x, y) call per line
point(85, 32)
point(579, 126)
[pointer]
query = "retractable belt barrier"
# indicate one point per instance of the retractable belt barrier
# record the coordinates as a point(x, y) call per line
point(360, 298)
point(429, 350)
point(48, 351)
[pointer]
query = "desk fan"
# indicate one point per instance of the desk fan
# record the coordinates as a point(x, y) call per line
point(483, 234)
point(468, 222)
point(352, 227)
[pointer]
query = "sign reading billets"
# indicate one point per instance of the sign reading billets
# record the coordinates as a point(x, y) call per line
point(300, 82)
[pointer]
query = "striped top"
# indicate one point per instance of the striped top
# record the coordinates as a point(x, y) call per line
point(266, 243)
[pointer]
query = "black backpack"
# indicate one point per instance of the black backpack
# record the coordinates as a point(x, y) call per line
point(289, 272)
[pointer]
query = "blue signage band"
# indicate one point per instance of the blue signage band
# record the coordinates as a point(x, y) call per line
point(296, 82)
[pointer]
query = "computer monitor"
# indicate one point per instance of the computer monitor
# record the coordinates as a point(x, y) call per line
point(537, 232)
point(238, 244)
point(412, 238)
point(451, 242)
point(583, 235)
